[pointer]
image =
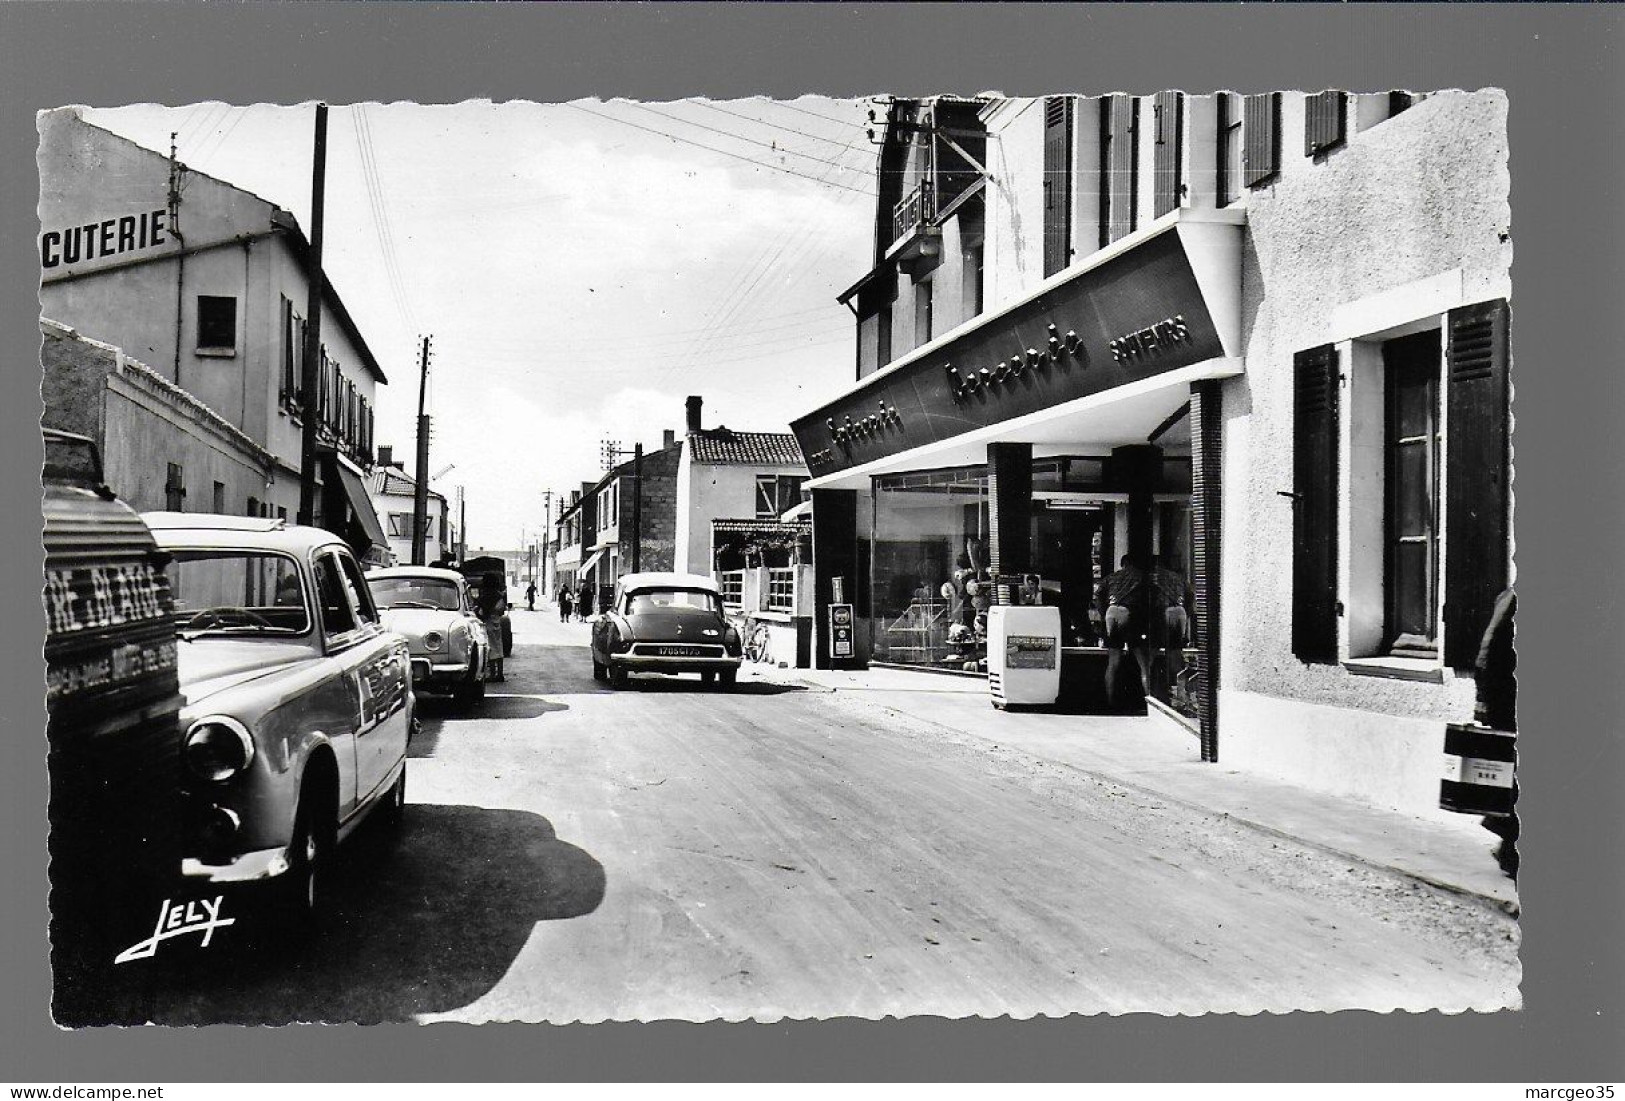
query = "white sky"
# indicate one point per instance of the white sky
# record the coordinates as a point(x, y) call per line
point(580, 276)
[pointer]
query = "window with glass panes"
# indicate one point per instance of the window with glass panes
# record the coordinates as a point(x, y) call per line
point(1411, 493)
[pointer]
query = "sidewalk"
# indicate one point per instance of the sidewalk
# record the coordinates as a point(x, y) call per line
point(1154, 756)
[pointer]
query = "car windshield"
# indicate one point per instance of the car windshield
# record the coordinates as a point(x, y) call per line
point(415, 592)
point(652, 600)
point(236, 592)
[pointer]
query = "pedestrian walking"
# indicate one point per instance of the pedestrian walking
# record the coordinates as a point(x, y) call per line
point(530, 597)
point(584, 603)
point(566, 603)
point(1123, 600)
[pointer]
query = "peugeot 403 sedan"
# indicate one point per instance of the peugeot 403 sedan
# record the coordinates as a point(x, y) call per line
point(298, 703)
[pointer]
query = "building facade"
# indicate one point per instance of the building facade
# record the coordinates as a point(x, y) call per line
point(1258, 341)
point(394, 495)
point(205, 284)
point(625, 521)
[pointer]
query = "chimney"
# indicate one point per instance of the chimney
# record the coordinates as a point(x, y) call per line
point(694, 403)
point(386, 455)
point(668, 440)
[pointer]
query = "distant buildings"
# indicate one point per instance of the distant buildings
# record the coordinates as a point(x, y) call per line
point(394, 493)
point(194, 291)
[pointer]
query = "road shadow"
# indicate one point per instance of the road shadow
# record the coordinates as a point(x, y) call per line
point(426, 921)
point(435, 715)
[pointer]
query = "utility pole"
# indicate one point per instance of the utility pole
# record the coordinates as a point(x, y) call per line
point(311, 378)
point(547, 532)
point(462, 526)
point(420, 495)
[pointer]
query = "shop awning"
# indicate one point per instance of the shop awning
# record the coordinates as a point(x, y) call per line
point(360, 504)
point(586, 567)
point(1101, 354)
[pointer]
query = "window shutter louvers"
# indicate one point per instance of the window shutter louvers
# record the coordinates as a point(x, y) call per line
point(1261, 135)
point(1478, 467)
point(1314, 505)
point(1117, 186)
point(1057, 183)
point(1324, 116)
point(1167, 161)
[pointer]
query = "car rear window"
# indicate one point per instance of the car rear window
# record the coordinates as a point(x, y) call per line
point(651, 600)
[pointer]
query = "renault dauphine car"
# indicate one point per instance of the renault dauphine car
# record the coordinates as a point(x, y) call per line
point(434, 610)
point(665, 623)
point(298, 704)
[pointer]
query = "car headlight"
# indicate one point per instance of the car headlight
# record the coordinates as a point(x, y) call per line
point(730, 640)
point(433, 640)
point(217, 748)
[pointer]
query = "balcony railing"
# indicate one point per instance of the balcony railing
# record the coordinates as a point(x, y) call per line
point(914, 212)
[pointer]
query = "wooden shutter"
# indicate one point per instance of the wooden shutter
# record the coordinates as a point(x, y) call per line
point(1117, 168)
point(1478, 465)
point(1261, 135)
point(1324, 116)
point(1057, 183)
point(1314, 505)
point(1169, 110)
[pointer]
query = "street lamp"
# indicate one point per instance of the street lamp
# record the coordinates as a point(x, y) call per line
point(611, 450)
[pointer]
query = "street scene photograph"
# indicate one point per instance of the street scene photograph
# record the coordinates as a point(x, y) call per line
point(779, 559)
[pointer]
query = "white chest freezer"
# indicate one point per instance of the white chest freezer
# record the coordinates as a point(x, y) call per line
point(1024, 655)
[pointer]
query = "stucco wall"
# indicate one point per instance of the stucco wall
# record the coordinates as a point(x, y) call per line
point(129, 300)
point(1014, 243)
point(1420, 200)
point(718, 493)
point(141, 426)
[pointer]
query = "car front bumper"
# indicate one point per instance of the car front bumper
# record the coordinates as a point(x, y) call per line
point(654, 663)
point(248, 868)
point(430, 674)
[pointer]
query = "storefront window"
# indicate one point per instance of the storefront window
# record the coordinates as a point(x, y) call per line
point(928, 565)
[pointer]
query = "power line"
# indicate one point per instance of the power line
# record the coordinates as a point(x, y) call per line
point(767, 123)
point(774, 146)
point(723, 152)
point(803, 111)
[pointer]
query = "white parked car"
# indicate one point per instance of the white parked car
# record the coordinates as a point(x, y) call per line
point(434, 609)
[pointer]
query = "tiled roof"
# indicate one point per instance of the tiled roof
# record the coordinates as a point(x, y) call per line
point(725, 447)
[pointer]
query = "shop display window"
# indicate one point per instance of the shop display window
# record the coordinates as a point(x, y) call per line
point(929, 568)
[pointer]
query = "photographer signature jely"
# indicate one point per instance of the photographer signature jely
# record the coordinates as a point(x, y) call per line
point(199, 916)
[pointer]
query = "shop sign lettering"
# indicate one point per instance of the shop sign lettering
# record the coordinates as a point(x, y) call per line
point(99, 240)
point(1142, 344)
point(102, 596)
point(1057, 350)
point(117, 666)
point(872, 425)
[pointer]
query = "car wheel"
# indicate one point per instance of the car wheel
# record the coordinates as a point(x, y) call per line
point(472, 690)
point(309, 856)
point(394, 807)
point(617, 677)
point(507, 639)
point(730, 677)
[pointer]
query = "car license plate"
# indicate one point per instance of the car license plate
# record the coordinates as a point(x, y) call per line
point(680, 651)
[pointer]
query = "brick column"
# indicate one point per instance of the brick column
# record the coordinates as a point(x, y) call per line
point(1206, 466)
point(835, 554)
point(1010, 511)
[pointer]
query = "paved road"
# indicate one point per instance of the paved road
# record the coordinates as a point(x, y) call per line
point(572, 853)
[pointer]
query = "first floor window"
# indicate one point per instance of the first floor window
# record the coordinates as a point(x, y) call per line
point(767, 497)
point(1411, 493)
point(175, 489)
point(216, 323)
point(219, 497)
